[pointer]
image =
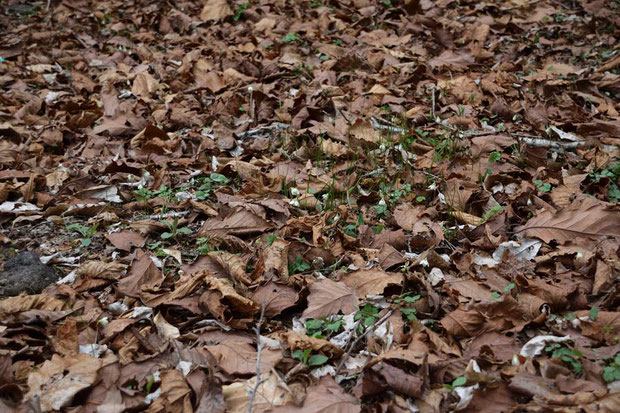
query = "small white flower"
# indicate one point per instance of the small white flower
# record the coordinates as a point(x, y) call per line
point(325, 197)
point(382, 202)
point(250, 89)
point(295, 192)
point(294, 202)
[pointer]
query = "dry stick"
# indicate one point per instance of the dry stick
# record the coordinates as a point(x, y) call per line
point(364, 334)
point(259, 348)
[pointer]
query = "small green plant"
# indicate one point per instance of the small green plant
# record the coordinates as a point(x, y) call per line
point(86, 232)
point(542, 186)
point(387, 3)
point(507, 289)
point(593, 313)
point(271, 239)
point(298, 266)
point(405, 299)
point(492, 212)
point(381, 208)
point(204, 245)
point(291, 38)
point(494, 156)
point(174, 230)
point(458, 382)
point(142, 194)
point(208, 183)
point(612, 172)
point(324, 328)
point(567, 355)
point(149, 384)
point(369, 314)
point(420, 198)
point(611, 372)
point(239, 11)
point(306, 358)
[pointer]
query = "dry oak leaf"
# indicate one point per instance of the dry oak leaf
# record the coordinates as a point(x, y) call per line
point(100, 269)
point(328, 297)
point(372, 281)
point(30, 302)
point(240, 358)
point(585, 217)
point(59, 379)
point(215, 10)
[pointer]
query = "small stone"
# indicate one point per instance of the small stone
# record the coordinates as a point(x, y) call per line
point(25, 273)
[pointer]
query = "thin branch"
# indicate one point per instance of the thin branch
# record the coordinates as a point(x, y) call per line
point(259, 348)
point(364, 334)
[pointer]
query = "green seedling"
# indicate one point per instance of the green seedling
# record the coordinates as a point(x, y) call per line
point(324, 328)
point(566, 355)
point(458, 382)
point(542, 186)
point(298, 266)
point(174, 230)
point(312, 360)
point(86, 232)
point(611, 372)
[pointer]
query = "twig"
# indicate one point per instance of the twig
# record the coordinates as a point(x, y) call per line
point(259, 348)
point(547, 143)
point(364, 334)
point(160, 216)
point(531, 3)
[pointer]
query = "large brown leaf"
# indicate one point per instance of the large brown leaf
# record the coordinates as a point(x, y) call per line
point(584, 218)
point(372, 281)
point(328, 297)
point(240, 358)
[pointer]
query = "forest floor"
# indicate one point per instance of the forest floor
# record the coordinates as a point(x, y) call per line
point(306, 206)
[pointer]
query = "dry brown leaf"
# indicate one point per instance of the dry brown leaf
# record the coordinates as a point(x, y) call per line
point(326, 397)
point(215, 10)
point(584, 218)
point(175, 394)
point(328, 297)
point(238, 303)
point(240, 358)
point(126, 240)
point(30, 302)
point(100, 269)
point(271, 392)
point(372, 281)
point(145, 85)
point(275, 297)
point(59, 379)
point(298, 341)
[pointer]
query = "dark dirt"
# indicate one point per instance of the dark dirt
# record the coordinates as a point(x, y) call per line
point(25, 273)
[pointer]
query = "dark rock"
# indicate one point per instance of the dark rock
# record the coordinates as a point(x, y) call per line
point(25, 273)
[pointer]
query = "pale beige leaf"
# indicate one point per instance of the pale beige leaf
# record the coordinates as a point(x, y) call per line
point(59, 379)
point(100, 269)
point(215, 10)
point(271, 392)
point(164, 328)
point(30, 302)
point(144, 85)
point(326, 397)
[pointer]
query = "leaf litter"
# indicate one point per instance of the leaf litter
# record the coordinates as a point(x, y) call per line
point(311, 206)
